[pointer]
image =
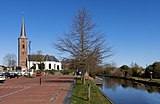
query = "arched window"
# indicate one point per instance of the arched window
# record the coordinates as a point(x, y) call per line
point(23, 46)
point(49, 66)
point(57, 67)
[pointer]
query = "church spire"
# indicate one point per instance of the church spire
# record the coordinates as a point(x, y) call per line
point(23, 32)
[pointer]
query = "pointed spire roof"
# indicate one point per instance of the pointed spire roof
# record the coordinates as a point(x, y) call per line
point(23, 31)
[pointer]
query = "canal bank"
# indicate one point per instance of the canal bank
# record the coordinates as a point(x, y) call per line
point(153, 82)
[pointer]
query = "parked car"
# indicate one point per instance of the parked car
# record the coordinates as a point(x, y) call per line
point(6, 74)
point(26, 74)
point(38, 74)
point(2, 78)
point(13, 75)
point(19, 74)
point(78, 72)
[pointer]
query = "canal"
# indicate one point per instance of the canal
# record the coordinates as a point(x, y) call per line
point(122, 91)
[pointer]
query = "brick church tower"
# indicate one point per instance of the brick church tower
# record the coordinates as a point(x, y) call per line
point(23, 48)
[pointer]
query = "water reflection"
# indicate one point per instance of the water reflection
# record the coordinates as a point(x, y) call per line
point(113, 83)
point(128, 92)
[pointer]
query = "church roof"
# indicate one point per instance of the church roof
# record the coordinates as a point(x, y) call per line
point(42, 58)
point(50, 58)
point(23, 31)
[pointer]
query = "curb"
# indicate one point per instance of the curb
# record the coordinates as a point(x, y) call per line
point(111, 102)
point(67, 99)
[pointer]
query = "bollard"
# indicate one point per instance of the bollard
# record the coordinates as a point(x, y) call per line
point(39, 81)
point(89, 87)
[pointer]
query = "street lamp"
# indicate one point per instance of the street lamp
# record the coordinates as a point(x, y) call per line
point(29, 55)
point(151, 73)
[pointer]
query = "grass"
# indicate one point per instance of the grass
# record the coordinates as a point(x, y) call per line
point(147, 79)
point(80, 92)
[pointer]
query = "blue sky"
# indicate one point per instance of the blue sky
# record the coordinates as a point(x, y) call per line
point(131, 26)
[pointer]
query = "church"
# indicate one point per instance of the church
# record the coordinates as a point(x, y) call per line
point(26, 61)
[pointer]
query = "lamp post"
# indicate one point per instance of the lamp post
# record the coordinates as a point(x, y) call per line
point(29, 55)
point(151, 75)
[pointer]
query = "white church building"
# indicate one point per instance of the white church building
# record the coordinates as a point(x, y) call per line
point(50, 63)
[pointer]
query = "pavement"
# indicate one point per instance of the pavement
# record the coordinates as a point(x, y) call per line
point(51, 90)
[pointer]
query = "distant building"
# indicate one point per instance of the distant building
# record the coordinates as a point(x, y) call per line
point(26, 62)
point(1, 67)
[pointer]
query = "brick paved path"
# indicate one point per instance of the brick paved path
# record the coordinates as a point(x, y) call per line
point(29, 91)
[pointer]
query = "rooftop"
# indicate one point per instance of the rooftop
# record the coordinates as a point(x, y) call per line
point(42, 58)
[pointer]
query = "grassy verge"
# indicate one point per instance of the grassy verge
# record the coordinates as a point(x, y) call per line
point(157, 81)
point(80, 92)
point(153, 82)
point(146, 79)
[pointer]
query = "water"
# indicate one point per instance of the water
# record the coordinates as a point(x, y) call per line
point(127, 92)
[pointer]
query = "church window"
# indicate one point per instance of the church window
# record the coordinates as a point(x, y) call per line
point(57, 67)
point(23, 46)
point(49, 66)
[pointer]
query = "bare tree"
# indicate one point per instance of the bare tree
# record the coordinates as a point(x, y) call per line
point(10, 60)
point(39, 56)
point(83, 43)
point(40, 59)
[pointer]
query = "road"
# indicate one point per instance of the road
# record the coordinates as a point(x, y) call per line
point(29, 91)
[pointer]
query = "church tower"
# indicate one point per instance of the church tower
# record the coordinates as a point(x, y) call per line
point(23, 48)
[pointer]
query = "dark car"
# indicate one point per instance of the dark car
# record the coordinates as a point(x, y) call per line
point(6, 74)
point(12, 75)
point(78, 72)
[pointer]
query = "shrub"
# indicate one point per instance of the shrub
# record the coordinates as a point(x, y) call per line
point(92, 74)
point(65, 72)
point(117, 73)
point(50, 72)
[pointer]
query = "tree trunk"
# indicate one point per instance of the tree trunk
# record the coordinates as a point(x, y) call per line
point(83, 79)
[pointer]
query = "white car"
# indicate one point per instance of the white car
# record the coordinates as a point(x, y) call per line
point(2, 78)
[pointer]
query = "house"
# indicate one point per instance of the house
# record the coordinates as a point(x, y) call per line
point(1, 68)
